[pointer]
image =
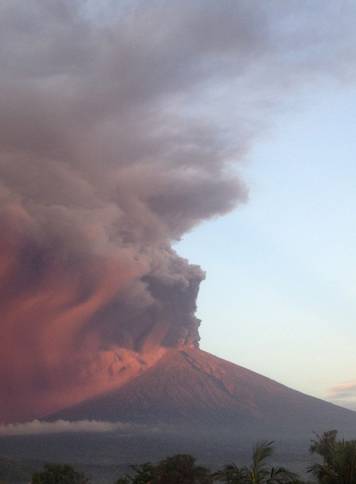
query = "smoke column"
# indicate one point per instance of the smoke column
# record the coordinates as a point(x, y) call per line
point(109, 154)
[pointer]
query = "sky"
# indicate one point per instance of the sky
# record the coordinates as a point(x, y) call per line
point(131, 126)
point(286, 259)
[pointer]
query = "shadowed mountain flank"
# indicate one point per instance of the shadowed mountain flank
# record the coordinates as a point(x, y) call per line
point(190, 386)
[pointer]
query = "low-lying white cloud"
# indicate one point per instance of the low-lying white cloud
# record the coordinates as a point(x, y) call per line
point(36, 427)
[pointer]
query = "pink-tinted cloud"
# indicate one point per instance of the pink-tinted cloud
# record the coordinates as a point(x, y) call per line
point(346, 391)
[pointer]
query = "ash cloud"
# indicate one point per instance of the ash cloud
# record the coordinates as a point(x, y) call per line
point(109, 154)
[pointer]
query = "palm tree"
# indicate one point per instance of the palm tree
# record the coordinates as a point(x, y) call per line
point(281, 475)
point(338, 459)
point(258, 472)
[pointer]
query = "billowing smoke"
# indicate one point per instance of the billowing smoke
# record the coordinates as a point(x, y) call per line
point(109, 153)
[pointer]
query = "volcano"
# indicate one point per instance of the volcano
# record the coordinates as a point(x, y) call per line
point(190, 388)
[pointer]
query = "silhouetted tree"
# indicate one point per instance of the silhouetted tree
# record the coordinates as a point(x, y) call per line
point(58, 474)
point(231, 474)
point(141, 474)
point(178, 469)
point(258, 472)
point(181, 469)
point(338, 459)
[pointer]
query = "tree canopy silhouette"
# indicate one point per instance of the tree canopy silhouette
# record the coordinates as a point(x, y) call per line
point(58, 474)
point(178, 469)
point(258, 472)
point(338, 464)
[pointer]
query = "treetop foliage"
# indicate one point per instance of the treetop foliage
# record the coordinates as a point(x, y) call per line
point(337, 465)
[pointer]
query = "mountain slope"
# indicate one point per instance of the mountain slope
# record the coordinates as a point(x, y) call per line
point(194, 387)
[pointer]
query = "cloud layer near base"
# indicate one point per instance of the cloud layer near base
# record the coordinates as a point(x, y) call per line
point(118, 134)
point(37, 427)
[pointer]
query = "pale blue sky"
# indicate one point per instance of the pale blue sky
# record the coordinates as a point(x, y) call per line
point(279, 297)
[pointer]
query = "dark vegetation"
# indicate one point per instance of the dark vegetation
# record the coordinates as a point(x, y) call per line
point(335, 463)
point(58, 474)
